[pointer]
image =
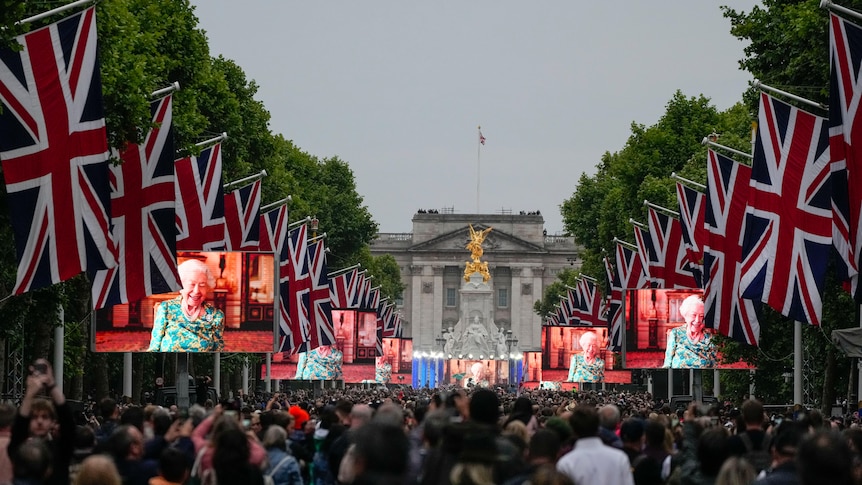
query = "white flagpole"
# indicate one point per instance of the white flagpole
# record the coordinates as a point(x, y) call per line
point(247, 180)
point(478, 165)
point(55, 11)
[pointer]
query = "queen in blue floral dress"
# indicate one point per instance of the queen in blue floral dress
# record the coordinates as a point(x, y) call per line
point(587, 366)
point(322, 363)
point(188, 323)
point(688, 346)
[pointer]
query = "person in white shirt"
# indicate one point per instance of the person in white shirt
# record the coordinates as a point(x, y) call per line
point(591, 461)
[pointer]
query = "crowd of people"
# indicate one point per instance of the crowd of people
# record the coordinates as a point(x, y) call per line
point(404, 436)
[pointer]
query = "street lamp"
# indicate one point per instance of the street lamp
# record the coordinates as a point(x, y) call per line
point(314, 225)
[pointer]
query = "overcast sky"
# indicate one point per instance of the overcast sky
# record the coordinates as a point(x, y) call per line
point(397, 89)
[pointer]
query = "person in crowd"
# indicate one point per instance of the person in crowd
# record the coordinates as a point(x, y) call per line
point(689, 346)
point(283, 467)
point(7, 417)
point(173, 468)
point(358, 416)
point(232, 461)
point(328, 431)
point(825, 457)
point(753, 442)
point(379, 454)
point(321, 363)
point(218, 422)
point(126, 446)
point(383, 370)
point(587, 366)
point(85, 444)
point(785, 448)
point(655, 467)
point(590, 461)
point(632, 438)
point(188, 323)
point(109, 412)
point(475, 464)
point(37, 418)
point(609, 421)
point(543, 451)
point(98, 470)
point(31, 463)
point(735, 471)
point(522, 410)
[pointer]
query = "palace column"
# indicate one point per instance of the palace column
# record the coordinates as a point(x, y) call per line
point(437, 297)
point(516, 297)
point(416, 304)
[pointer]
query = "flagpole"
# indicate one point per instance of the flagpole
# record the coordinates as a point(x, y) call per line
point(626, 243)
point(686, 181)
point(165, 91)
point(707, 142)
point(54, 11)
point(344, 270)
point(669, 212)
point(275, 204)
point(317, 238)
point(247, 180)
point(212, 141)
point(299, 222)
point(637, 224)
point(827, 4)
point(478, 165)
point(759, 85)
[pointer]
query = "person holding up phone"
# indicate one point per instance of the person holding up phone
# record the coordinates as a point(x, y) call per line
point(43, 406)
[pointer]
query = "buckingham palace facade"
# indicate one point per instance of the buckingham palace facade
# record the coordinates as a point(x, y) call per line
point(522, 261)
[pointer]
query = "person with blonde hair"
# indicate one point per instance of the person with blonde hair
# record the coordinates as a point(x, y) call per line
point(98, 470)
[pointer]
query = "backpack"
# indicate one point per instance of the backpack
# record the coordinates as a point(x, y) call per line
point(760, 458)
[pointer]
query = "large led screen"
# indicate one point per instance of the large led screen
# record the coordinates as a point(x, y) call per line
point(665, 329)
point(575, 354)
point(228, 304)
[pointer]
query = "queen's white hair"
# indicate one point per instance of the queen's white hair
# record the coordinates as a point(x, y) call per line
point(190, 267)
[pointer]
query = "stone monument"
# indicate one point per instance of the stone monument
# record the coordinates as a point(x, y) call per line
point(476, 336)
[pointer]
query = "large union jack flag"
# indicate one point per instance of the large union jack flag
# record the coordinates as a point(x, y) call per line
point(296, 283)
point(320, 329)
point(691, 207)
point(342, 288)
point(242, 218)
point(54, 150)
point(788, 221)
point(845, 135)
point(630, 267)
point(671, 267)
point(725, 309)
point(646, 253)
point(273, 229)
point(589, 310)
point(142, 215)
point(200, 201)
point(615, 307)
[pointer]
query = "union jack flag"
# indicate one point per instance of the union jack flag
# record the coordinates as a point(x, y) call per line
point(363, 294)
point(788, 222)
point(273, 226)
point(727, 192)
point(357, 295)
point(691, 208)
point(646, 252)
point(373, 300)
point(316, 299)
point(142, 215)
point(615, 308)
point(845, 94)
point(572, 306)
point(396, 317)
point(54, 150)
point(200, 201)
point(591, 303)
point(342, 288)
point(294, 273)
point(630, 268)
point(671, 268)
point(242, 218)
point(391, 323)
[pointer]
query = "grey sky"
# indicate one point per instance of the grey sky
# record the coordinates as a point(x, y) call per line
point(398, 88)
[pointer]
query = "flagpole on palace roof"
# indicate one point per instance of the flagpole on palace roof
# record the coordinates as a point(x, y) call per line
point(212, 141)
point(275, 204)
point(165, 91)
point(759, 85)
point(669, 212)
point(247, 180)
point(55, 11)
point(479, 142)
point(827, 4)
point(686, 181)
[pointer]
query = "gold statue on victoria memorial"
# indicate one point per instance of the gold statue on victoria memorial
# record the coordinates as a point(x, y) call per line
point(476, 252)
